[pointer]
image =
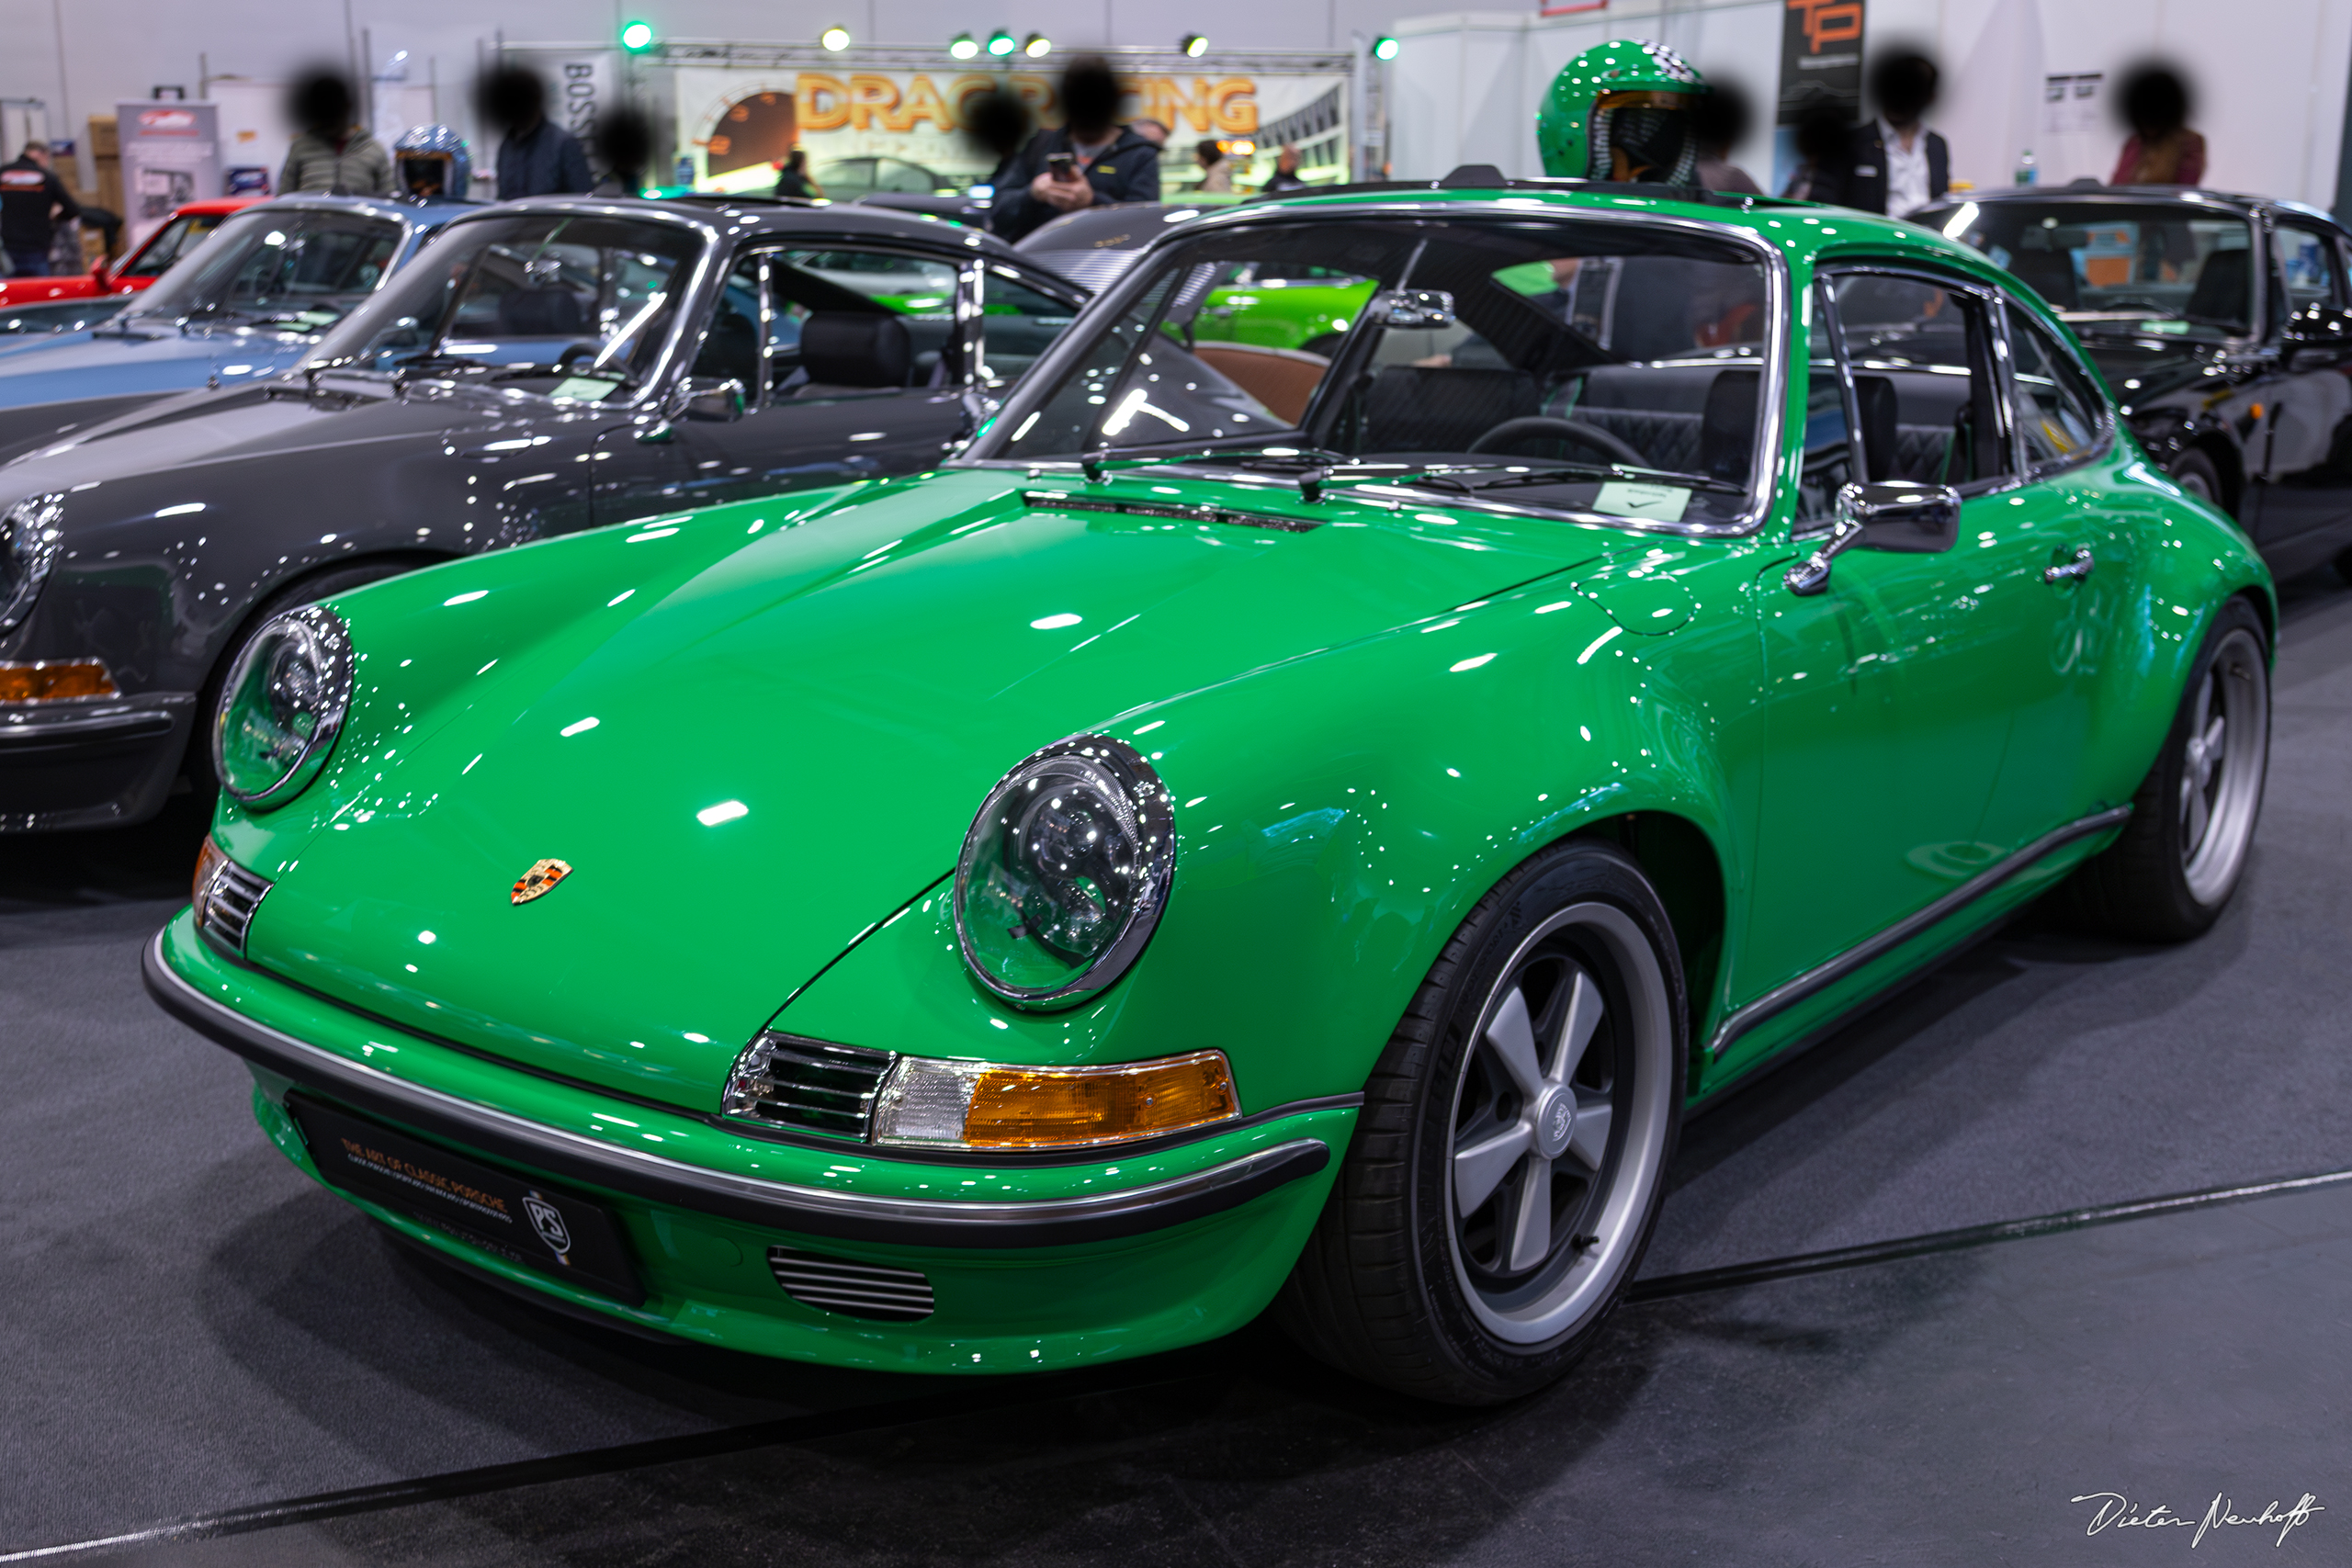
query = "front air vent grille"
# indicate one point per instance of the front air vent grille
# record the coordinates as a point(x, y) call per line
point(232, 894)
point(1062, 501)
point(811, 1085)
point(853, 1290)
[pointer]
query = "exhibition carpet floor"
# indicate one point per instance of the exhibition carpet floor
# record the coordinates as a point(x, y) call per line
point(193, 1334)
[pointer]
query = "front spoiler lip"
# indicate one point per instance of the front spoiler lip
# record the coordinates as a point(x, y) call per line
point(777, 1205)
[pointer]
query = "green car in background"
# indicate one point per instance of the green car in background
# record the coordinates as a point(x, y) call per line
point(1271, 305)
point(1249, 831)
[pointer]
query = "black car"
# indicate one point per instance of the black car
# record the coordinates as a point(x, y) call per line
point(543, 367)
point(2223, 324)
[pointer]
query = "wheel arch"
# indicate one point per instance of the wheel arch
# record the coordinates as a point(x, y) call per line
point(1684, 864)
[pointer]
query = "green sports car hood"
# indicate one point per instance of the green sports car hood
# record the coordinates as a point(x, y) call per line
point(755, 733)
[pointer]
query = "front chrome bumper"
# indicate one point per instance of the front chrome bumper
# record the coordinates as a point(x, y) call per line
point(92, 763)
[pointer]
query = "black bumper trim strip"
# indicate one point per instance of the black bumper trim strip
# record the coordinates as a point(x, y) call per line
point(806, 1211)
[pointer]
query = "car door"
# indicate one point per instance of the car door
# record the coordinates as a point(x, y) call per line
point(2303, 445)
point(1890, 696)
point(851, 364)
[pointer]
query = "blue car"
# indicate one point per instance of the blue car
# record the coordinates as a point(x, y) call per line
point(246, 304)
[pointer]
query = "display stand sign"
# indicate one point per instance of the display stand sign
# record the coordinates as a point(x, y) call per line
point(171, 154)
point(1821, 72)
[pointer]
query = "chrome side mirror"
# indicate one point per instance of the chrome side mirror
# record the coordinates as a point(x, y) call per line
point(1912, 519)
point(709, 397)
point(1413, 307)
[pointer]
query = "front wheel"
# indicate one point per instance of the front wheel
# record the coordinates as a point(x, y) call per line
point(2178, 859)
point(1509, 1160)
point(2194, 472)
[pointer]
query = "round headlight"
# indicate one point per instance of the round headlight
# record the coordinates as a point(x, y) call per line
point(283, 705)
point(1064, 872)
point(29, 541)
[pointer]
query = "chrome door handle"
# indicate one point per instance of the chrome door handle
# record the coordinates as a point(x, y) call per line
point(2079, 567)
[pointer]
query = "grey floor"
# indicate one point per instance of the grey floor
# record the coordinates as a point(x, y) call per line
point(191, 1328)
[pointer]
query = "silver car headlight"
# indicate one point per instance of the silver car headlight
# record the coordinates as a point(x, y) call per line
point(282, 707)
point(30, 533)
point(1064, 872)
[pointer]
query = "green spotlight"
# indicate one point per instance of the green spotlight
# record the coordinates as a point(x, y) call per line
point(1000, 43)
point(637, 37)
point(962, 47)
point(1384, 47)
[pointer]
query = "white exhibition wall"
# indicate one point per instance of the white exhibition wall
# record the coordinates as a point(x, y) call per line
point(2271, 77)
point(79, 56)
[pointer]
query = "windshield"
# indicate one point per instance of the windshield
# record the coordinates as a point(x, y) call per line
point(2168, 262)
point(178, 237)
point(1589, 366)
point(574, 305)
point(296, 267)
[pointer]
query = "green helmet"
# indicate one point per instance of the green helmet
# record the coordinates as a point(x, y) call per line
point(1621, 112)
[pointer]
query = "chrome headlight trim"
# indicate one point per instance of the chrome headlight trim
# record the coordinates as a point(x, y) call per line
point(31, 534)
point(325, 641)
point(1149, 808)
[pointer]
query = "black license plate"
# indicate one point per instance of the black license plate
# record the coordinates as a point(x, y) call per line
point(515, 1219)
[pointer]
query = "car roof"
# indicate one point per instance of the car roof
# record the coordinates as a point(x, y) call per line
point(406, 210)
point(215, 206)
point(2091, 190)
point(1793, 228)
point(773, 215)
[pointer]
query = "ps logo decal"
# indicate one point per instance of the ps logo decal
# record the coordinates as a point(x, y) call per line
point(540, 879)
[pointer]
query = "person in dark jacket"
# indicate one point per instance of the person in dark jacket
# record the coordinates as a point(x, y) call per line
point(32, 201)
point(794, 180)
point(1894, 165)
point(1106, 161)
point(536, 156)
point(332, 154)
point(1285, 176)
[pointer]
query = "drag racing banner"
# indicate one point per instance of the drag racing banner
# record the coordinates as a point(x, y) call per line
point(736, 124)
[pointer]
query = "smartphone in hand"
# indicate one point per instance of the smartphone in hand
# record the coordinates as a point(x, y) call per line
point(1062, 165)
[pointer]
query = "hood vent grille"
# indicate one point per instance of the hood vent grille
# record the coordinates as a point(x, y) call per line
point(853, 1290)
point(1060, 502)
point(811, 1085)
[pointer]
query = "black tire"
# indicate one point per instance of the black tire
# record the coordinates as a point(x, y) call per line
point(309, 590)
point(2170, 873)
point(1395, 1286)
point(2194, 471)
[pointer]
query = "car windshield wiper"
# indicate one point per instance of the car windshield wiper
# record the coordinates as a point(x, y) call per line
point(1553, 473)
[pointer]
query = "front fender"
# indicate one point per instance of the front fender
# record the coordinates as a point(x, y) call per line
point(1338, 816)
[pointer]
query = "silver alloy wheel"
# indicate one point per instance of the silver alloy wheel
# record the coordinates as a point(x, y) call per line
point(2221, 774)
point(2194, 483)
point(1561, 1113)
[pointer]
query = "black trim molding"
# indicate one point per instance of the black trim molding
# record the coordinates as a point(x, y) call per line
point(777, 1205)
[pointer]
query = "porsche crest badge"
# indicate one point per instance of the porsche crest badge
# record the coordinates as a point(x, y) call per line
point(539, 879)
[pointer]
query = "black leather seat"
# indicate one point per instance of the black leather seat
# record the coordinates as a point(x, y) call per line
point(1882, 434)
point(1415, 408)
point(854, 351)
point(540, 313)
point(2050, 274)
point(1727, 426)
point(2221, 292)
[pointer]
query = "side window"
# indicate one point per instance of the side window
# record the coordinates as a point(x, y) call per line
point(1924, 386)
point(1826, 434)
point(2059, 412)
point(2307, 260)
point(1017, 324)
point(825, 302)
point(733, 344)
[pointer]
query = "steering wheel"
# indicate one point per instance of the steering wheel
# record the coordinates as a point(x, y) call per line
point(1583, 435)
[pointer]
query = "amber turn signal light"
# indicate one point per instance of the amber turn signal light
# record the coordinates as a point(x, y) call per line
point(979, 1105)
point(54, 680)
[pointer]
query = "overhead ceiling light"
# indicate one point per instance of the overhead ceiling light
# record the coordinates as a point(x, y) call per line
point(1000, 43)
point(835, 39)
point(1194, 45)
point(1384, 47)
point(1037, 46)
point(962, 47)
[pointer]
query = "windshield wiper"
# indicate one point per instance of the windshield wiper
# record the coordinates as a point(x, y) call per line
point(1554, 472)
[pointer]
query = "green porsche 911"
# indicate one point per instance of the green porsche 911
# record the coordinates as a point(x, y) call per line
point(1257, 828)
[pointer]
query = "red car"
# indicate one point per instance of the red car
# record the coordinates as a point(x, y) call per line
point(142, 266)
